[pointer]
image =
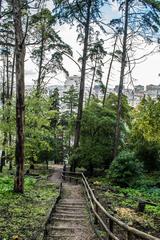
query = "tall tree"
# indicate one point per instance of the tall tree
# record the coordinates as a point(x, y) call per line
point(85, 13)
point(96, 54)
point(139, 19)
point(110, 68)
point(20, 57)
point(123, 64)
point(83, 74)
point(70, 100)
point(48, 52)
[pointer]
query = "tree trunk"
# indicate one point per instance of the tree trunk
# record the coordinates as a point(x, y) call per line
point(3, 156)
point(20, 57)
point(82, 82)
point(10, 155)
point(12, 75)
point(7, 75)
point(0, 8)
point(109, 70)
point(40, 65)
point(123, 64)
point(10, 94)
point(93, 77)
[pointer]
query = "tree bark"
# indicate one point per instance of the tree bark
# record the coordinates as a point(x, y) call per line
point(120, 91)
point(0, 8)
point(3, 154)
point(109, 70)
point(10, 94)
point(12, 75)
point(20, 57)
point(40, 65)
point(93, 77)
point(7, 75)
point(82, 82)
point(10, 156)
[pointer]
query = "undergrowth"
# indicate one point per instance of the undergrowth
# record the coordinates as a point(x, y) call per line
point(23, 214)
point(123, 202)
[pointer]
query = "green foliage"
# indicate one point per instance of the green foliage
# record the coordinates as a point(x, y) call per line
point(78, 10)
point(97, 133)
point(38, 133)
point(145, 133)
point(111, 103)
point(146, 120)
point(123, 202)
point(97, 136)
point(125, 168)
point(70, 99)
point(22, 214)
point(48, 53)
point(149, 153)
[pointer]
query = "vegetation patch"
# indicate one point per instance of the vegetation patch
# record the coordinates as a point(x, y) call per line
point(23, 214)
point(123, 202)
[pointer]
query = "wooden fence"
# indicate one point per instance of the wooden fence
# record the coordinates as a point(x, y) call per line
point(98, 210)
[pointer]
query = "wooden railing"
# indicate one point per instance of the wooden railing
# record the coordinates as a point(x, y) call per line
point(98, 210)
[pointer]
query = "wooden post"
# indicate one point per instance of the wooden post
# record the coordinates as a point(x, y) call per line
point(60, 195)
point(76, 181)
point(97, 209)
point(129, 236)
point(141, 206)
point(110, 227)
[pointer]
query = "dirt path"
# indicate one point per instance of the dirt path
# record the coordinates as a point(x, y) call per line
point(56, 176)
point(70, 220)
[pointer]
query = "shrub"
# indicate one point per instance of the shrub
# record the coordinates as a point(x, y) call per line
point(125, 169)
point(149, 153)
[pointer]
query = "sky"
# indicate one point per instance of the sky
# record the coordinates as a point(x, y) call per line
point(146, 72)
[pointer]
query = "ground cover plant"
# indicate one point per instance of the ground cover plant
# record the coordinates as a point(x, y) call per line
point(22, 215)
point(122, 202)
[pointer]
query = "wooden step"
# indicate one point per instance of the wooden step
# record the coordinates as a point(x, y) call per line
point(68, 211)
point(63, 215)
point(59, 228)
point(70, 207)
point(64, 237)
point(67, 219)
point(71, 201)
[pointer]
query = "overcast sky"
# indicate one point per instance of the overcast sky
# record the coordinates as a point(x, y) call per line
point(146, 72)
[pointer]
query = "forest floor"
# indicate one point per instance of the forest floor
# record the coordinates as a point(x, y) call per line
point(23, 214)
point(123, 202)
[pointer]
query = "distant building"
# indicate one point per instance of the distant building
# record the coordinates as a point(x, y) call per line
point(139, 90)
point(72, 81)
point(153, 91)
point(116, 88)
point(97, 92)
point(138, 95)
point(51, 88)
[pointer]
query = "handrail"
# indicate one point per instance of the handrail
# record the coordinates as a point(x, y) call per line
point(92, 199)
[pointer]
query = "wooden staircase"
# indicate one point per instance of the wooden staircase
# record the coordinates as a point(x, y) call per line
point(70, 220)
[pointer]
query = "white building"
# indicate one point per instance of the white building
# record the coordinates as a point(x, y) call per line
point(153, 91)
